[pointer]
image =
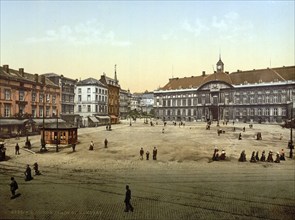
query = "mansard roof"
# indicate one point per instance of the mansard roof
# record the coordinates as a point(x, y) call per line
point(19, 75)
point(235, 78)
point(90, 81)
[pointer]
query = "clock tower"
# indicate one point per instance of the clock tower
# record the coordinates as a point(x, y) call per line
point(220, 65)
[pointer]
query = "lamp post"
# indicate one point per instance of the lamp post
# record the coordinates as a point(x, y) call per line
point(57, 133)
point(43, 144)
point(291, 146)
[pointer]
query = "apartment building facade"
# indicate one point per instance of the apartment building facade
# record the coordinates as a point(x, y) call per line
point(27, 95)
point(91, 102)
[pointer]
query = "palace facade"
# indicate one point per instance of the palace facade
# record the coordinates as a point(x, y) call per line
point(264, 95)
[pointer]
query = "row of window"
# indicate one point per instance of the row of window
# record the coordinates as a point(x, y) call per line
point(101, 108)
point(98, 98)
point(214, 100)
point(235, 93)
point(245, 112)
point(7, 111)
point(100, 91)
point(34, 96)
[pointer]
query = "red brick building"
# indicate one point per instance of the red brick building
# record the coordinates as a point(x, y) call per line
point(25, 95)
point(113, 96)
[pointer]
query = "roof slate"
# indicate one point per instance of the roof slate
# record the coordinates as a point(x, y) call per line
point(234, 78)
point(16, 75)
point(90, 81)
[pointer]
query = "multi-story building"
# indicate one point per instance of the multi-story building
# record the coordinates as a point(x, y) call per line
point(27, 94)
point(264, 95)
point(67, 86)
point(125, 101)
point(91, 102)
point(113, 96)
point(147, 102)
point(135, 102)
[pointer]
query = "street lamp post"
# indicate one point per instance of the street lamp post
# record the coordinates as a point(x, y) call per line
point(43, 144)
point(291, 145)
point(57, 133)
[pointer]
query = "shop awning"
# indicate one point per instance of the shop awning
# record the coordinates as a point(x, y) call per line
point(103, 117)
point(93, 119)
point(12, 121)
point(39, 121)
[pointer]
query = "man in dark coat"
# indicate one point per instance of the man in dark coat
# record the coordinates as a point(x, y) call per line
point(141, 152)
point(16, 149)
point(155, 151)
point(105, 143)
point(13, 187)
point(128, 205)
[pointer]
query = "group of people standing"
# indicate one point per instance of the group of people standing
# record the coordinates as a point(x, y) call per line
point(147, 153)
point(91, 146)
point(255, 156)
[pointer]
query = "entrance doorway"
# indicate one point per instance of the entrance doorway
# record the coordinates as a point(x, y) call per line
point(214, 112)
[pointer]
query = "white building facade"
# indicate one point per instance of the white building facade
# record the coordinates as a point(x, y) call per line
point(91, 102)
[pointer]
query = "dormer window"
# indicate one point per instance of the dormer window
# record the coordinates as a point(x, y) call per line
point(260, 81)
point(245, 82)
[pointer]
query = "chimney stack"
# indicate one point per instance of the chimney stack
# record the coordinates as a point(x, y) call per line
point(6, 68)
point(36, 78)
point(21, 72)
point(203, 73)
point(43, 79)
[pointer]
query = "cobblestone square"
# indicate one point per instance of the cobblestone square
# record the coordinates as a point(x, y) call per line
point(183, 183)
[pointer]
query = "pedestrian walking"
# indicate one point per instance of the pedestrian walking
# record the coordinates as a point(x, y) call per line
point(13, 187)
point(240, 136)
point(36, 168)
point(128, 205)
point(28, 173)
point(105, 143)
point(16, 149)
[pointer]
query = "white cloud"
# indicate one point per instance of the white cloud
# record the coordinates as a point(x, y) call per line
point(88, 33)
point(232, 27)
point(195, 28)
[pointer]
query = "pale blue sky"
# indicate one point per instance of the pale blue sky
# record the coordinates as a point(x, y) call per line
point(150, 41)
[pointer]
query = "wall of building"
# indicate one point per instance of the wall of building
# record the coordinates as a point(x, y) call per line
point(260, 103)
